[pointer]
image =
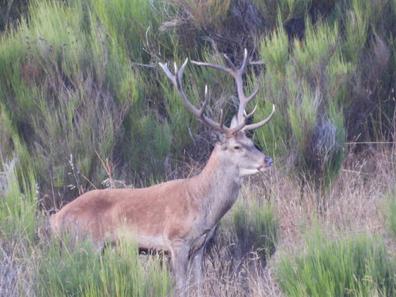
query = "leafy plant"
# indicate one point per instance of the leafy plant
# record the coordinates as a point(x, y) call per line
point(77, 269)
point(346, 267)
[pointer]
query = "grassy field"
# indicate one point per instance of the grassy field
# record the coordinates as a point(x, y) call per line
point(84, 105)
point(274, 242)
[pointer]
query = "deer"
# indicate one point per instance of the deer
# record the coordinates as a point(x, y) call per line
point(178, 216)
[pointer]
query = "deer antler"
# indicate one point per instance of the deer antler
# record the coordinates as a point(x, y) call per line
point(237, 74)
point(177, 80)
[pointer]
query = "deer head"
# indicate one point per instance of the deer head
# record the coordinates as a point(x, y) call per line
point(177, 216)
point(234, 146)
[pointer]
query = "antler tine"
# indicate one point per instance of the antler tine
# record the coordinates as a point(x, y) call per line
point(177, 80)
point(244, 61)
point(254, 93)
point(237, 74)
point(168, 73)
point(230, 131)
point(248, 115)
point(261, 123)
point(222, 118)
point(215, 66)
point(251, 62)
point(175, 67)
point(179, 73)
point(207, 97)
point(243, 99)
point(229, 61)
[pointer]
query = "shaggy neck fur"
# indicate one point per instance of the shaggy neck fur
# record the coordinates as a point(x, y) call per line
point(216, 188)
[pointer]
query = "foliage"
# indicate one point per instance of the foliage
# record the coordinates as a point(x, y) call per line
point(308, 87)
point(79, 83)
point(11, 11)
point(256, 228)
point(390, 212)
point(78, 270)
point(73, 95)
point(18, 203)
point(346, 267)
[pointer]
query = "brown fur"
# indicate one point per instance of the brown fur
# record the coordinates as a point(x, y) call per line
point(177, 216)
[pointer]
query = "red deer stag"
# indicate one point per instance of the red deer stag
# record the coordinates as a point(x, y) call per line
point(177, 216)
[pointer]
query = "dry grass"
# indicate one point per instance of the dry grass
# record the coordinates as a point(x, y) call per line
point(353, 206)
point(16, 269)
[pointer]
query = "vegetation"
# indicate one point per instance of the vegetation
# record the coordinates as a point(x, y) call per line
point(84, 105)
point(18, 206)
point(81, 271)
point(256, 229)
point(390, 212)
point(65, 63)
point(347, 267)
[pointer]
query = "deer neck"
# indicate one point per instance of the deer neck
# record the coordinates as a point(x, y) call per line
point(216, 188)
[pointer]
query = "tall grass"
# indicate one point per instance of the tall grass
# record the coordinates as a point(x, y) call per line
point(358, 266)
point(18, 204)
point(390, 211)
point(256, 229)
point(79, 84)
point(31, 264)
point(79, 270)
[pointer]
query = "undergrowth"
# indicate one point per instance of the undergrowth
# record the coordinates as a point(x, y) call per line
point(356, 266)
point(80, 88)
point(80, 270)
point(80, 82)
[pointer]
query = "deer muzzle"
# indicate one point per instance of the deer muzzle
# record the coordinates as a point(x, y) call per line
point(266, 164)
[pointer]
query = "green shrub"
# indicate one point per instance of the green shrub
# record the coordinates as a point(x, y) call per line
point(256, 229)
point(308, 85)
point(11, 11)
point(77, 80)
point(18, 204)
point(286, 9)
point(72, 94)
point(126, 23)
point(359, 266)
point(6, 134)
point(207, 13)
point(77, 269)
point(54, 102)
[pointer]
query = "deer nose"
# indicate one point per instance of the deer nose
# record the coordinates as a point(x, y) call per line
point(268, 161)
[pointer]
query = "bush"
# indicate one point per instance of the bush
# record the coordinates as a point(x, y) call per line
point(359, 266)
point(80, 270)
point(308, 87)
point(11, 11)
point(71, 93)
point(256, 229)
point(18, 204)
point(78, 80)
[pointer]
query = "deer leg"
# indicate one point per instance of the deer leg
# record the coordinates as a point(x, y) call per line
point(179, 256)
point(197, 269)
point(198, 261)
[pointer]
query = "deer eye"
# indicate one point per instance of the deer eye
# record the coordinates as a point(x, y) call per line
point(237, 147)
